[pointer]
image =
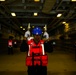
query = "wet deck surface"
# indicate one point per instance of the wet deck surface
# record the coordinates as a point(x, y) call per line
point(59, 63)
point(24, 73)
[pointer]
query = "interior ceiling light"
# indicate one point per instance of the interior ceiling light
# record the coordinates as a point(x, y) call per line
point(32, 26)
point(21, 27)
point(35, 14)
point(2, 0)
point(36, 0)
point(59, 15)
point(13, 14)
point(73, 0)
point(63, 22)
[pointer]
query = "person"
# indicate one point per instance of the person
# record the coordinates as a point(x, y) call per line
point(10, 45)
point(36, 59)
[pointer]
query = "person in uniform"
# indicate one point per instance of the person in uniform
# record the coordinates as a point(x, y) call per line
point(36, 59)
point(10, 45)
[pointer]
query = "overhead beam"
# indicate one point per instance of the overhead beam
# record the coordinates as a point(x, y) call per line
point(24, 4)
point(48, 5)
point(24, 10)
point(5, 16)
point(34, 24)
point(9, 1)
point(27, 17)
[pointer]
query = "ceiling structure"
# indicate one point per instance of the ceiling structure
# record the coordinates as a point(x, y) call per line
point(47, 13)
